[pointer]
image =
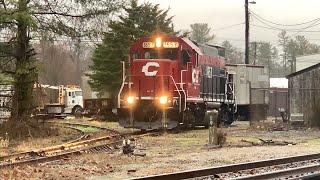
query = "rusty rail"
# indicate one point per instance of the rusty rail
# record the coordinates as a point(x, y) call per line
point(215, 171)
point(56, 152)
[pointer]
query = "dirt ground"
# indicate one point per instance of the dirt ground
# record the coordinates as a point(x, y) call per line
point(171, 152)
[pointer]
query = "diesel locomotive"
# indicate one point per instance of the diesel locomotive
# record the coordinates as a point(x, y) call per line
point(172, 81)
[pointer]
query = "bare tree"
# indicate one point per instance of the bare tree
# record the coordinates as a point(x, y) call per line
point(27, 19)
point(283, 42)
point(200, 33)
point(56, 64)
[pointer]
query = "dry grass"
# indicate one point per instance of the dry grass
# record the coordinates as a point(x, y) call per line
point(171, 152)
point(104, 124)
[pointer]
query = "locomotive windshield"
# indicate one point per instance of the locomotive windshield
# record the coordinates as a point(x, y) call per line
point(161, 54)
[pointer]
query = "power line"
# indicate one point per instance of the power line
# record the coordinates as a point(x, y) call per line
point(291, 30)
point(277, 28)
point(310, 26)
point(229, 39)
point(279, 24)
point(227, 27)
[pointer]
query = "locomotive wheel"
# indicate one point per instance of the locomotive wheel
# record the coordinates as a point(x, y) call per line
point(225, 117)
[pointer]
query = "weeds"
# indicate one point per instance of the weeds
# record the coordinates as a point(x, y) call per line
point(221, 137)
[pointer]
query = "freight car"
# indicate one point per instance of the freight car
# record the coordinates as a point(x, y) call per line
point(251, 83)
point(172, 81)
point(99, 107)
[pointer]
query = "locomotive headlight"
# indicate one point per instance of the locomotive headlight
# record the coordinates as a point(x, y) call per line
point(163, 100)
point(158, 42)
point(130, 100)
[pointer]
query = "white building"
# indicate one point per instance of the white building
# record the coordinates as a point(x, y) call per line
point(278, 83)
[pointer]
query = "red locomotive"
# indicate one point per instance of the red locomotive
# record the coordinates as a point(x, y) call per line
point(173, 81)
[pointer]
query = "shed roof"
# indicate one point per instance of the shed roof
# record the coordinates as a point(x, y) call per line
point(303, 70)
point(306, 61)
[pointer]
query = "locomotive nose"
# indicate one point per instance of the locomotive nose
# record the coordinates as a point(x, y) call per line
point(153, 78)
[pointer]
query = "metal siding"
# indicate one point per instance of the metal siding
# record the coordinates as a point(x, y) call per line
point(305, 90)
point(250, 76)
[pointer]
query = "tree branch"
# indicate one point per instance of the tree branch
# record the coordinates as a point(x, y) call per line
point(86, 15)
point(59, 14)
point(3, 4)
point(8, 72)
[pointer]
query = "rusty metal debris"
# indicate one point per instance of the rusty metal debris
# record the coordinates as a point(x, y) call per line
point(128, 146)
point(269, 142)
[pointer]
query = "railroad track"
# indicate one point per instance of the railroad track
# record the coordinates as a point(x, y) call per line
point(104, 143)
point(77, 146)
point(295, 167)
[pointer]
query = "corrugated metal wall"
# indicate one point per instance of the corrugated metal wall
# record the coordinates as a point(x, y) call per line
point(304, 91)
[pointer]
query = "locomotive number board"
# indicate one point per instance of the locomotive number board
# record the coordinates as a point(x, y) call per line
point(148, 45)
point(164, 45)
point(170, 44)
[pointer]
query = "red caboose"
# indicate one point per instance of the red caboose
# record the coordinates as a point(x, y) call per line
point(173, 81)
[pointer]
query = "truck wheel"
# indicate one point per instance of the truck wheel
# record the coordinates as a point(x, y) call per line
point(77, 111)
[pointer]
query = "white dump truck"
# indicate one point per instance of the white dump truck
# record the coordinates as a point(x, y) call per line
point(58, 100)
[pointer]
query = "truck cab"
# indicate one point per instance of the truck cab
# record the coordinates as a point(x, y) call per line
point(73, 100)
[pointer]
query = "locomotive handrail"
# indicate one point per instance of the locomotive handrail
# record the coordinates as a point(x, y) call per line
point(120, 91)
point(123, 81)
point(177, 89)
point(181, 78)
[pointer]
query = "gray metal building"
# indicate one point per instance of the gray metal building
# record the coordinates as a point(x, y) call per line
point(304, 91)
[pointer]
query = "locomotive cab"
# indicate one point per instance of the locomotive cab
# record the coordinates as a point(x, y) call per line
point(170, 81)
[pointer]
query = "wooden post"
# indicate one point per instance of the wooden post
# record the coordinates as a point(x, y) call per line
point(213, 127)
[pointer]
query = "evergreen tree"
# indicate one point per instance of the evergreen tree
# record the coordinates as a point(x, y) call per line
point(233, 55)
point(137, 21)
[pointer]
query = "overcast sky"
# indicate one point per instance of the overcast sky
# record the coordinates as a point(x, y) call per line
point(222, 13)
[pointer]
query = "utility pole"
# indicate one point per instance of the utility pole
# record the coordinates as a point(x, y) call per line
point(246, 5)
point(255, 53)
point(293, 62)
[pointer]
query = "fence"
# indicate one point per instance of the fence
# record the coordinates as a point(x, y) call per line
point(300, 104)
point(268, 102)
point(6, 92)
point(305, 105)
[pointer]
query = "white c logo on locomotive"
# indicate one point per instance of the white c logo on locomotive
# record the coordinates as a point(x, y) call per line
point(195, 76)
point(145, 68)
